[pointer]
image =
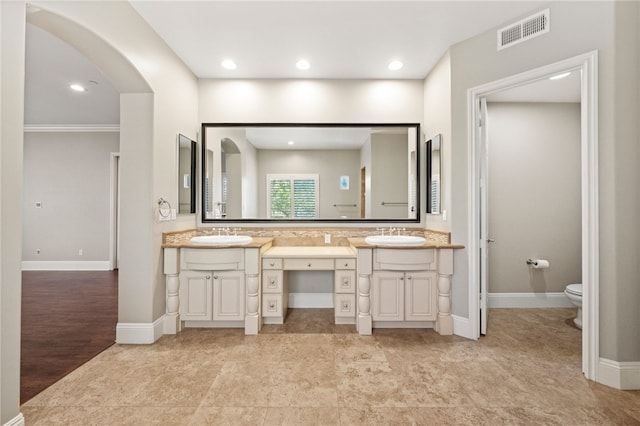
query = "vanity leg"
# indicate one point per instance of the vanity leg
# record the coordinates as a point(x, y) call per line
point(364, 305)
point(172, 324)
point(252, 318)
point(444, 323)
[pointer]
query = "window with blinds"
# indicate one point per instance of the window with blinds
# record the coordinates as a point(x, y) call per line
point(292, 196)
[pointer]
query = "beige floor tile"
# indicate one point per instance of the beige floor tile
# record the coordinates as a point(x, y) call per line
point(228, 416)
point(242, 384)
point(305, 384)
point(526, 371)
point(298, 416)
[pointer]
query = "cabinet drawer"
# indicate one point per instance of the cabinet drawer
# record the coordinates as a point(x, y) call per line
point(344, 282)
point(345, 305)
point(212, 259)
point(404, 259)
point(271, 305)
point(272, 281)
point(345, 264)
point(308, 264)
point(271, 263)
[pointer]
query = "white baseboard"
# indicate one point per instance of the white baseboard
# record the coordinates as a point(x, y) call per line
point(16, 421)
point(619, 375)
point(461, 327)
point(528, 300)
point(66, 265)
point(311, 300)
point(139, 333)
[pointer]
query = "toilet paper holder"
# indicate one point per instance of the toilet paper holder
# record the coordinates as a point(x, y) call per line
point(538, 263)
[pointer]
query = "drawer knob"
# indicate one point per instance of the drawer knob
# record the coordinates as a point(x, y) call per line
point(346, 264)
point(309, 265)
point(273, 282)
point(272, 264)
point(215, 277)
point(208, 277)
point(345, 281)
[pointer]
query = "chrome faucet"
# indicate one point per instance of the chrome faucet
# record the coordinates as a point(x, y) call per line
point(391, 229)
point(381, 231)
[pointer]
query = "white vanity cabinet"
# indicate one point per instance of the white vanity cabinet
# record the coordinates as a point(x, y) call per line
point(404, 296)
point(212, 285)
point(403, 287)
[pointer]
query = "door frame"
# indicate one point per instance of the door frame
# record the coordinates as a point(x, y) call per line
point(588, 65)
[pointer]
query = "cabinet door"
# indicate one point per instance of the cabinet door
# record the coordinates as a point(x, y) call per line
point(228, 296)
point(195, 296)
point(420, 296)
point(387, 298)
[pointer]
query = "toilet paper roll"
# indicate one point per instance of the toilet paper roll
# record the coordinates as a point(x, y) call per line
point(540, 264)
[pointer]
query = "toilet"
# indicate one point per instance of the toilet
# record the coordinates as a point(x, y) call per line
point(574, 293)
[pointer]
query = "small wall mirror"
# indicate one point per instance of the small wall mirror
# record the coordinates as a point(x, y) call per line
point(187, 152)
point(310, 172)
point(434, 170)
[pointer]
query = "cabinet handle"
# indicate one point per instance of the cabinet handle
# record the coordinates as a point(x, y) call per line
point(401, 278)
point(208, 277)
point(346, 264)
point(272, 264)
point(309, 265)
point(215, 277)
point(409, 277)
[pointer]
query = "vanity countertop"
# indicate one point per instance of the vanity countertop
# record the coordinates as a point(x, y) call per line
point(310, 251)
point(361, 243)
point(182, 239)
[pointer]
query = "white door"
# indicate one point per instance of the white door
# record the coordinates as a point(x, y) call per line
point(484, 210)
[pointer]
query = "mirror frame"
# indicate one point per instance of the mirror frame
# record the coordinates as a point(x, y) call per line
point(436, 140)
point(203, 149)
point(193, 177)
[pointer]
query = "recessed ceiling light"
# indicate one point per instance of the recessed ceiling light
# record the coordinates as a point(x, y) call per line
point(395, 65)
point(77, 87)
point(229, 64)
point(303, 64)
point(559, 76)
point(290, 143)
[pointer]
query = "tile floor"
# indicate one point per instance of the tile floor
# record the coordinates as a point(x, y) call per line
point(526, 371)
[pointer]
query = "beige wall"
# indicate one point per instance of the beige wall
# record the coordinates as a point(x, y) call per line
point(160, 102)
point(534, 196)
point(69, 173)
point(387, 186)
point(12, 59)
point(611, 29)
point(437, 119)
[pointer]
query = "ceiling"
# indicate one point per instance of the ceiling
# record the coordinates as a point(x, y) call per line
point(341, 40)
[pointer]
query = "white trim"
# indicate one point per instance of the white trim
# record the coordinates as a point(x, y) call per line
point(72, 128)
point(139, 333)
point(461, 327)
point(16, 421)
point(528, 300)
point(311, 300)
point(587, 63)
point(619, 375)
point(114, 209)
point(66, 265)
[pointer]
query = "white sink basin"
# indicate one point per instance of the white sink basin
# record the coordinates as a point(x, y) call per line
point(394, 240)
point(222, 240)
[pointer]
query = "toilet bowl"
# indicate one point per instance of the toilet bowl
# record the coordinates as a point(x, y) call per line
point(574, 293)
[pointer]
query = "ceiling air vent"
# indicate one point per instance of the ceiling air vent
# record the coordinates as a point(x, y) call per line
point(524, 29)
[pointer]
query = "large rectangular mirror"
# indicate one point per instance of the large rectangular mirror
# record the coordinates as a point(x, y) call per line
point(310, 172)
point(187, 152)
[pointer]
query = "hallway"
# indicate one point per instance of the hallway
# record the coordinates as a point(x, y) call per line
point(68, 317)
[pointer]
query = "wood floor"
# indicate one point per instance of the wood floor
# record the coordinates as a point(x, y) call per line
point(68, 317)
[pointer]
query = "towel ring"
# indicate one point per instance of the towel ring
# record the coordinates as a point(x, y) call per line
point(164, 208)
